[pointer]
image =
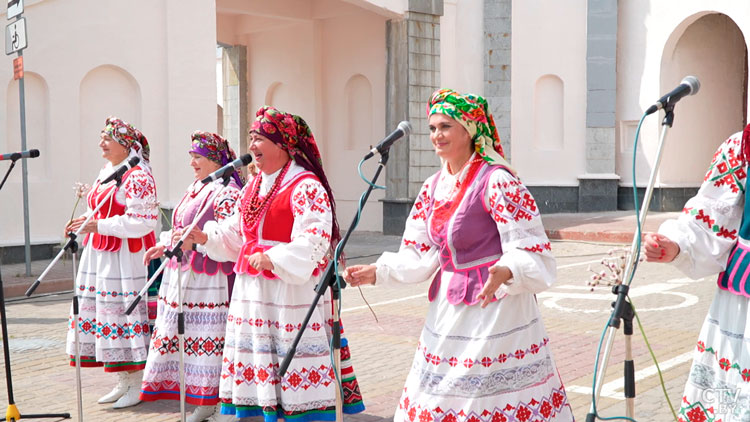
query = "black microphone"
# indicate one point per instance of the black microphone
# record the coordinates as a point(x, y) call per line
point(32, 153)
point(404, 128)
point(689, 86)
point(229, 168)
point(117, 174)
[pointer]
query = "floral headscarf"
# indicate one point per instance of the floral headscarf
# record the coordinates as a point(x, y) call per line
point(473, 113)
point(216, 149)
point(293, 135)
point(128, 136)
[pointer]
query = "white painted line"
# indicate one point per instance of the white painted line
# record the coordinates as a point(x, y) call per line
point(562, 267)
point(613, 389)
point(387, 302)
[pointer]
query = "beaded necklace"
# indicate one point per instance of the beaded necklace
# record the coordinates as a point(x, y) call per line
point(253, 208)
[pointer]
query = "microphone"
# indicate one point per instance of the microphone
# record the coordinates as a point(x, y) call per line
point(404, 128)
point(228, 169)
point(32, 153)
point(689, 86)
point(117, 174)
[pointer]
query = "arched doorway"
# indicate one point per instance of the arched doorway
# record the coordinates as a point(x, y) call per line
point(713, 49)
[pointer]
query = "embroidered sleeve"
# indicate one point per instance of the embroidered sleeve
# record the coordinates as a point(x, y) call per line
point(138, 193)
point(294, 262)
point(708, 226)
point(526, 249)
point(225, 238)
point(417, 258)
point(225, 203)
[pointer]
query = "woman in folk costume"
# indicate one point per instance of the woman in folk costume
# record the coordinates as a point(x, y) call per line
point(111, 272)
point(281, 236)
point(703, 241)
point(484, 354)
point(205, 295)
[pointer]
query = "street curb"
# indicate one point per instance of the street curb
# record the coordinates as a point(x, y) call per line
point(47, 286)
point(591, 236)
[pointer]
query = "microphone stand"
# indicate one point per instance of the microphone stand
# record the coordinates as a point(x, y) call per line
point(12, 413)
point(176, 252)
point(621, 308)
point(336, 283)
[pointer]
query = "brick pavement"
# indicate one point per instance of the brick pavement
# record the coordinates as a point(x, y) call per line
point(383, 350)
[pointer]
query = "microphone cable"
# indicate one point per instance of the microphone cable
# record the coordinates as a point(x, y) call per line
point(336, 260)
point(630, 301)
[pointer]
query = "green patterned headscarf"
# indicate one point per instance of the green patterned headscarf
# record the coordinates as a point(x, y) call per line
point(473, 113)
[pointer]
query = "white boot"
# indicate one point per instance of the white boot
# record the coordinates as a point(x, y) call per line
point(218, 417)
point(133, 395)
point(120, 389)
point(201, 413)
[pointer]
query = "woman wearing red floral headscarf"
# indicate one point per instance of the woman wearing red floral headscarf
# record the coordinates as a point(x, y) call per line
point(484, 353)
point(281, 236)
point(205, 295)
point(111, 271)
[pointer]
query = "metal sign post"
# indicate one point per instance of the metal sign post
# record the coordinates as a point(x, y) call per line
point(15, 42)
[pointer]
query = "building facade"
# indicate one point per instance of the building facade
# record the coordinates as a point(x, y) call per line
point(567, 83)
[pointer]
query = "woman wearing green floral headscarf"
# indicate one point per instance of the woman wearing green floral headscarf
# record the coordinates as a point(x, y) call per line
point(484, 353)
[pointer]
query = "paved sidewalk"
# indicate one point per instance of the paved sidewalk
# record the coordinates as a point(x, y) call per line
point(383, 348)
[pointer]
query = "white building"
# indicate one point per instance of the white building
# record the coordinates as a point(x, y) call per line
point(567, 81)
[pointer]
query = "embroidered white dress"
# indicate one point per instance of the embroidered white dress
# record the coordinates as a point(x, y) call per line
point(267, 308)
point(474, 364)
point(111, 273)
point(205, 304)
point(718, 387)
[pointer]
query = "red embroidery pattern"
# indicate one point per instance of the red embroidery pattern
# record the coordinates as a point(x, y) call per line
point(539, 247)
point(718, 230)
point(543, 409)
point(193, 346)
point(267, 374)
point(288, 327)
point(485, 361)
point(139, 185)
point(724, 363)
point(727, 168)
point(422, 247)
point(224, 205)
point(310, 196)
point(141, 216)
point(511, 201)
point(422, 204)
point(696, 412)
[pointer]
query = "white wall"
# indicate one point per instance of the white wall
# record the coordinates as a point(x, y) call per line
point(548, 44)
point(162, 80)
point(462, 46)
point(649, 31)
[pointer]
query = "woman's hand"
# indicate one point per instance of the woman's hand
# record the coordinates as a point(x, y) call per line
point(357, 275)
point(260, 261)
point(195, 236)
point(153, 253)
point(660, 248)
point(498, 276)
point(75, 224)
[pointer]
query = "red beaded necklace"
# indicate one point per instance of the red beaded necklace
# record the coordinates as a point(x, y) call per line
point(252, 207)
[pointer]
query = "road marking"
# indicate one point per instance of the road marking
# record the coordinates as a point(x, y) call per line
point(550, 298)
point(387, 302)
point(613, 389)
point(419, 296)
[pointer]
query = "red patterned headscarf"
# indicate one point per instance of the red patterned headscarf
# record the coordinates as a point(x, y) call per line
point(292, 134)
point(216, 149)
point(128, 136)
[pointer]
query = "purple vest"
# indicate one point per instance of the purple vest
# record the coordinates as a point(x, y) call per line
point(188, 210)
point(468, 243)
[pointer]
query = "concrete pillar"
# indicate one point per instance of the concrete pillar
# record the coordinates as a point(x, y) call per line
point(497, 65)
point(597, 189)
point(412, 75)
point(234, 72)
